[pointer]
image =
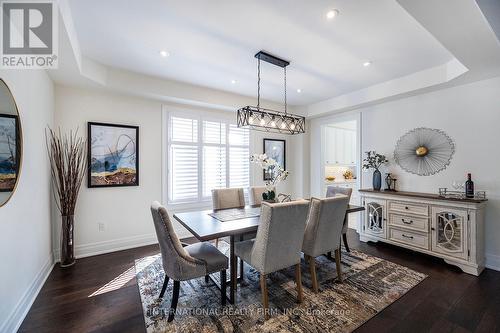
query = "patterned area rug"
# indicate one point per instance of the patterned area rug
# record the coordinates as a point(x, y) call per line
point(370, 284)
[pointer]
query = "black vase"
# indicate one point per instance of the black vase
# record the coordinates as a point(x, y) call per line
point(377, 180)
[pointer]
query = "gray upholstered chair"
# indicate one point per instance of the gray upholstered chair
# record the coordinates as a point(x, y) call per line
point(225, 198)
point(332, 191)
point(278, 243)
point(256, 194)
point(323, 229)
point(185, 263)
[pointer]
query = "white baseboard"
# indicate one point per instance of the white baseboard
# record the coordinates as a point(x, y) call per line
point(92, 249)
point(492, 262)
point(22, 307)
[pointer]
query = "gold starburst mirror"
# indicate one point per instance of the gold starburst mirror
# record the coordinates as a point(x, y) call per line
point(424, 151)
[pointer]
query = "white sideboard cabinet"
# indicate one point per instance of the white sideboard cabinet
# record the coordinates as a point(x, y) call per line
point(452, 229)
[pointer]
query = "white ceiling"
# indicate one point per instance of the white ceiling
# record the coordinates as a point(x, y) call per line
point(213, 42)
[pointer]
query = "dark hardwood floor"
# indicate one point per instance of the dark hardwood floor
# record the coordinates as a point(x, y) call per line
point(447, 301)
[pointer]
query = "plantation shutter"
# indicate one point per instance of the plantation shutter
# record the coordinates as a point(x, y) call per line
point(204, 155)
point(184, 159)
point(214, 156)
point(239, 153)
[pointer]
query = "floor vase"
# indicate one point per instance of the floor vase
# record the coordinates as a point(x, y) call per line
point(67, 241)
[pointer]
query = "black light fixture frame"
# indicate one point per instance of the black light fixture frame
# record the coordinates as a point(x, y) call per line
point(267, 120)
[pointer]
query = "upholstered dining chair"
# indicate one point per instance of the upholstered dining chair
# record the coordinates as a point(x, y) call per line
point(322, 234)
point(277, 244)
point(332, 191)
point(185, 263)
point(256, 194)
point(225, 198)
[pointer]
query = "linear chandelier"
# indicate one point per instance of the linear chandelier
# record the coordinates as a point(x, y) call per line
point(261, 119)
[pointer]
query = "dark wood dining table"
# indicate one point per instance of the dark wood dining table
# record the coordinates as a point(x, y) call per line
point(206, 228)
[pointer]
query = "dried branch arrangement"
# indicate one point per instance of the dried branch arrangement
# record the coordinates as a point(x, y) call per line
point(68, 164)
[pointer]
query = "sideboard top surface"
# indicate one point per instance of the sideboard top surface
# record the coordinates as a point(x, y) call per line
point(419, 195)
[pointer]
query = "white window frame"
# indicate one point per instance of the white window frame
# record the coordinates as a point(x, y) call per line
point(200, 116)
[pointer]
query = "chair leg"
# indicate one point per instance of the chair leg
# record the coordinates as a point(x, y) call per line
point(223, 282)
point(339, 268)
point(175, 299)
point(207, 278)
point(314, 279)
point(242, 268)
point(165, 284)
point(344, 238)
point(217, 243)
point(265, 297)
point(298, 281)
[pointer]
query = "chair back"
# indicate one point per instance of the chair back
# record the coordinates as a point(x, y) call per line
point(324, 225)
point(279, 236)
point(256, 194)
point(225, 198)
point(333, 190)
point(177, 263)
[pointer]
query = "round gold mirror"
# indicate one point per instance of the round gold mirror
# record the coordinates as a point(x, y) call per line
point(10, 144)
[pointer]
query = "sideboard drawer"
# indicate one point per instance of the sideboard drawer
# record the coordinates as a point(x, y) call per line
point(409, 208)
point(409, 222)
point(409, 237)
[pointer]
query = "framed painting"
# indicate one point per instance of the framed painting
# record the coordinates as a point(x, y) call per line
point(10, 145)
point(275, 149)
point(113, 155)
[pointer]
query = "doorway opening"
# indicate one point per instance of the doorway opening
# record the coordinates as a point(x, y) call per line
point(341, 158)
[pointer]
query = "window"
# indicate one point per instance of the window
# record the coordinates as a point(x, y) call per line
point(204, 154)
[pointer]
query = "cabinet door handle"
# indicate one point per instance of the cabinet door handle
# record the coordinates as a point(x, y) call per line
point(406, 207)
point(406, 236)
point(407, 222)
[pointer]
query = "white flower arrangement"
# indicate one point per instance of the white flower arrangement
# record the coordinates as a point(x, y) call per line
point(278, 174)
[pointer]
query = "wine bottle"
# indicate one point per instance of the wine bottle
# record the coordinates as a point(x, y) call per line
point(469, 187)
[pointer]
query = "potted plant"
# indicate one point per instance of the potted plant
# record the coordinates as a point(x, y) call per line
point(276, 172)
point(67, 157)
point(375, 161)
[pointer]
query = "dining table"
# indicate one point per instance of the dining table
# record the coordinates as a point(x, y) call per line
point(205, 227)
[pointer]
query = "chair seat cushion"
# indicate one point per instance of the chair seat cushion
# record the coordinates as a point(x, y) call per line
point(243, 250)
point(214, 259)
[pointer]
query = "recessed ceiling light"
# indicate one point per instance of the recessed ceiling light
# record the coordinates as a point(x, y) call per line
point(299, 90)
point(367, 63)
point(233, 81)
point(332, 13)
point(164, 53)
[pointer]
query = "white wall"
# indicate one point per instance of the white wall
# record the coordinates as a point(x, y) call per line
point(25, 238)
point(125, 211)
point(470, 115)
